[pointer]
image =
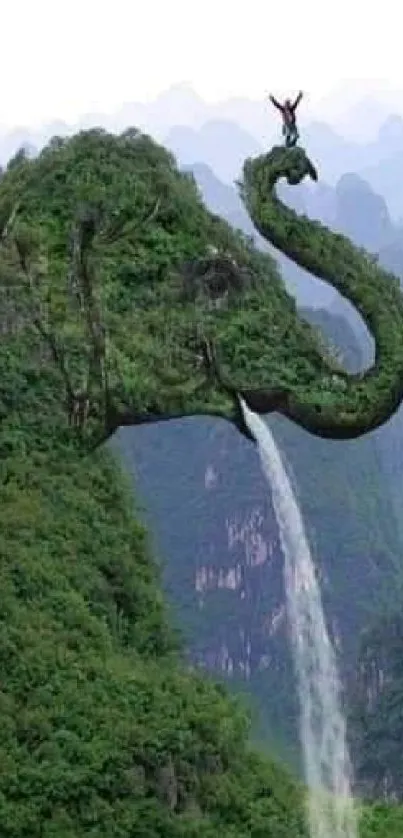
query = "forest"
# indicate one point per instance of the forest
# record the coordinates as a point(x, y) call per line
point(106, 729)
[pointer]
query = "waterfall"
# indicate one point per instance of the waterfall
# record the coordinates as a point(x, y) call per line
point(331, 811)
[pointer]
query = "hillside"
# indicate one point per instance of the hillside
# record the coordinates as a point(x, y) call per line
point(105, 730)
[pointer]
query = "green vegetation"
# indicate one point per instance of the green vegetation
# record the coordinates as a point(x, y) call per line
point(104, 730)
point(138, 292)
point(381, 821)
point(334, 405)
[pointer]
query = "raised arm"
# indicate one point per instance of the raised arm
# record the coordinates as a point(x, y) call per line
point(275, 103)
point(297, 100)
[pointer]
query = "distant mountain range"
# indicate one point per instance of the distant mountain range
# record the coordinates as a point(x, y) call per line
point(358, 192)
point(223, 145)
point(223, 134)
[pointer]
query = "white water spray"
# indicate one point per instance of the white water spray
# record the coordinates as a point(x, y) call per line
point(331, 811)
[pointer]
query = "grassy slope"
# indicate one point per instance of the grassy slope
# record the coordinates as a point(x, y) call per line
point(103, 731)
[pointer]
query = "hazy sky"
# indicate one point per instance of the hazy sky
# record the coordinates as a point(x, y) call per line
point(59, 59)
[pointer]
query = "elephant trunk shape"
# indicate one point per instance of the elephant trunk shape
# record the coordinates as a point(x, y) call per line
point(336, 406)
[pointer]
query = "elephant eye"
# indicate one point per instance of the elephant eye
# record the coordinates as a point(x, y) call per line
point(214, 279)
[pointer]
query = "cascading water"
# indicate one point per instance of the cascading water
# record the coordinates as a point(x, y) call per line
point(331, 811)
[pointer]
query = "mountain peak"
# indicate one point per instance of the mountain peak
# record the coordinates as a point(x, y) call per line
point(179, 93)
point(391, 131)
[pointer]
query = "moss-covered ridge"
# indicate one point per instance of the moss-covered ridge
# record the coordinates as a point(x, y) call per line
point(142, 306)
point(335, 405)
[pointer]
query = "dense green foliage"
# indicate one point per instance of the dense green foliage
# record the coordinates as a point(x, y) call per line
point(104, 731)
point(381, 821)
point(135, 282)
point(332, 405)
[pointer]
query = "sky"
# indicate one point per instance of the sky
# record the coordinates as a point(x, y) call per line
point(60, 59)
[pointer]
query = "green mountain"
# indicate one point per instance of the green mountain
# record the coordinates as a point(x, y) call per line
point(106, 729)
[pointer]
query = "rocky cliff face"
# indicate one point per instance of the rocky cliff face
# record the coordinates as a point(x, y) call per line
point(240, 565)
point(376, 716)
point(213, 522)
